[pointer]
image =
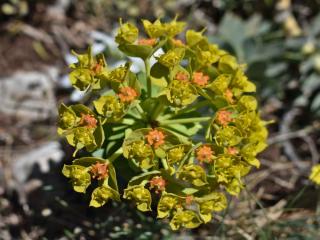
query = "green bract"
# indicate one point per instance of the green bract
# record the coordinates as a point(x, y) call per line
point(89, 71)
point(182, 135)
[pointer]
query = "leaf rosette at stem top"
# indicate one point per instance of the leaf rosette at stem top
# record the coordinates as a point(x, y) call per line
point(180, 136)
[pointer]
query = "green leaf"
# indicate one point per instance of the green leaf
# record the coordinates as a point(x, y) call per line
point(144, 176)
point(88, 161)
point(190, 191)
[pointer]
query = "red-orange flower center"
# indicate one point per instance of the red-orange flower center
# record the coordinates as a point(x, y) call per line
point(155, 138)
point(177, 42)
point(232, 150)
point(200, 79)
point(127, 94)
point(229, 96)
point(99, 171)
point(158, 183)
point(88, 121)
point(189, 199)
point(147, 41)
point(224, 117)
point(97, 68)
point(181, 76)
point(204, 154)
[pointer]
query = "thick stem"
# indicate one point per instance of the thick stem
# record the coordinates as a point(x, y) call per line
point(157, 111)
point(148, 78)
point(188, 155)
point(115, 155)
point(185, 120)
point(191, 108)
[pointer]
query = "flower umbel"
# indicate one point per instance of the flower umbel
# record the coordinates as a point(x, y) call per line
point(148, 125)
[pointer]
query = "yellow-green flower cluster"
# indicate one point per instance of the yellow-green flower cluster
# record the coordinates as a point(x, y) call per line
point(148, 125)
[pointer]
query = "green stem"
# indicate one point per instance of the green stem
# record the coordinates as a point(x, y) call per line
point(148, 79)
point(158, 109)
point(194, 107)
point(115, 155)
point(128, 121)
point(164, 163)
point(185, 120)
point(187, 155)
point(140, 110)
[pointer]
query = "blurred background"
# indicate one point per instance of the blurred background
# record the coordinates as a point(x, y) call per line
point(278, 40)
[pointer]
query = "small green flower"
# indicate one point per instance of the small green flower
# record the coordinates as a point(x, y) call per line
point(67, 117)
point(172, 58)
point(234, 187)
point(228, 64)
point(154, 30)
point(194, 174)
point(207, 57)
point(127, 33)
point(140, 195)
point(119, 74)
point(167, 203)
point(181, 93)
point(228, 136)
point(79, 176)
point(220, 84)
point(110, 107)
point(88, 72)
point(213, 202)
point(82, 137)
point(176, 154)
point(101, 195)
point(193, 37)
point(187, 219)
point(241, 82)
point(174, 27)
point(248, 103)
point(140, 152)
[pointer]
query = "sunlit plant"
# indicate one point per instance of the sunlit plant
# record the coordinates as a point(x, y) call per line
point(179, 136)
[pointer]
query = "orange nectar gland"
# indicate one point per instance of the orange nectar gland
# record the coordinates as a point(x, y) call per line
point(158, 183)
point(200, 79)
point(182, 76)
point(97, 68)
point(189, 199)
point(204, 154)
point(229, 96)
point(155, 138)
point(177, 42)
point(224, 117)
point(147, 41)
point(88, 121)
point(99, 171)
point(127, 94)
point(232, 150)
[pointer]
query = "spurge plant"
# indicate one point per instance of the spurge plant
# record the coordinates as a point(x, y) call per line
point(179, 136)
